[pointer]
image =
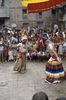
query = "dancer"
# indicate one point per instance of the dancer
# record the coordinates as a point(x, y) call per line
point(54, 68)
point(20, 63)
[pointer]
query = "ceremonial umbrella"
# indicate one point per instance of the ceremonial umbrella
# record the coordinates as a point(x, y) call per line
point(34, 6)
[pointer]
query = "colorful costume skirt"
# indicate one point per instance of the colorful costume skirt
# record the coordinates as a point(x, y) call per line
point(54, 70)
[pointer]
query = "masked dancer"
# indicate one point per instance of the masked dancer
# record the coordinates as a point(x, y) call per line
point(54, 69)
point(20, 63)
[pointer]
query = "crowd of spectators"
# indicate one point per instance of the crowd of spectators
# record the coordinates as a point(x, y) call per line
point(36, 47)
point(43, 96)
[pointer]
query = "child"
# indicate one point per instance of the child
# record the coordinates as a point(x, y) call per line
point(10, 54)
point(14, 50)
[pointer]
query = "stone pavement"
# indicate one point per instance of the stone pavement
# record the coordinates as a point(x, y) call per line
point(16, 86)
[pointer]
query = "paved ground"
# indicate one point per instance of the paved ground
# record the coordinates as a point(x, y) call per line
point(16, 86)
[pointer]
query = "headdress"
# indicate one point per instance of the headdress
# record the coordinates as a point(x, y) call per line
point(24, 37)
point(50, 44)
point(24, 32)
point(48, 41)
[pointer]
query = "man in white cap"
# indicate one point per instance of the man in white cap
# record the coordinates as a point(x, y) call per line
point(21, 59)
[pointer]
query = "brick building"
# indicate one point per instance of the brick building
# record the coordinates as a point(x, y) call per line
point(13, 14)
point(59, 16)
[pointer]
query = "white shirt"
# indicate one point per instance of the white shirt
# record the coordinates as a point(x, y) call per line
point(22, 47)
point(63, 34)
point(64, 44)
point(1, 47)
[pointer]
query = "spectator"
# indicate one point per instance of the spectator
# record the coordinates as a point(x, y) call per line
point(1, 51)
point(40, 43)
point(14, 50)
point(10, 54)
point(6, 48)
point(60, 49)
point(34, 51)
point(40, 96)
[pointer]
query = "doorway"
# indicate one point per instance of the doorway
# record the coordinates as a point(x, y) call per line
point(2, 23)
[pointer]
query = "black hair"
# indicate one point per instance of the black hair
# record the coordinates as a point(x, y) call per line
point(61, 98)
point(40, 96)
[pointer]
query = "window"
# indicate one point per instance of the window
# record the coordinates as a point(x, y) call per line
point(25, 25)
point(40, 15)
point(53, 11)
point(2, 3)
point(40, 24)
point(24, 14)
point(24, 11)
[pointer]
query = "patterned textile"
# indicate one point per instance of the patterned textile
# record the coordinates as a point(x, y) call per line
point(54, 70)
point(20, 63)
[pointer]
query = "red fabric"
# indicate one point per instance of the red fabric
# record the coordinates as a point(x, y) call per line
point(6, 51)
point(23, 32)
point(52, 67)
point(5, 48)
point(21, 54)
point(40, 43)
point(54, 57)
point(44, 6)
point(13, 48)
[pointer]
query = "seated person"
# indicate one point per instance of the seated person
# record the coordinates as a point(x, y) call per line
point(34, 51)
point(64, 49)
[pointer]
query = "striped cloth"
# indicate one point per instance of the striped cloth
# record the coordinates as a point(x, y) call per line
point(54, 70)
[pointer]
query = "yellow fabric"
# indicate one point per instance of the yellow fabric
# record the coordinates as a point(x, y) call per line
point(54, 63)
point(34, 46)
point(55, 76)
point(24, 37)
point(26, 2)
